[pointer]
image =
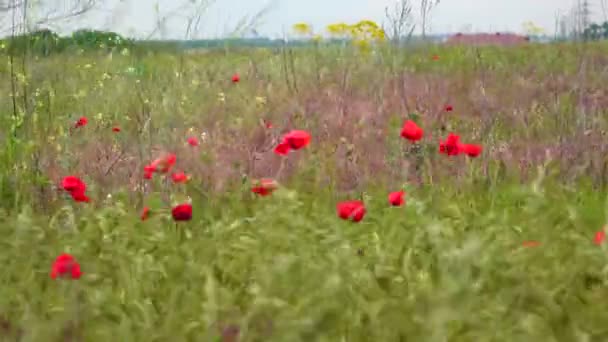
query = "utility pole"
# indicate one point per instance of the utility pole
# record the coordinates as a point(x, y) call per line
point(585, 14)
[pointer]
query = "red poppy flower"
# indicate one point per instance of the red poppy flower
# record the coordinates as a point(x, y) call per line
point(182, 212)
point(265, 187)
point(168, 162)
point(83, 121)
point(192, 141)
point(236, 78)
point(531, 244)
point(599, 238)
point(411, 131)
point(451, 145)
point(282, 149)
point(150, 169)
point(73, 183)
point(179, 177)
point(145, 213)
point(76, 187)
point(163, 164)
point(79, 196)
point(65, 266)
point(448, 108)
point(471, 150)
point(435, 57)
point(116, 129)
point(351, 210)
point(396, 198)
point(294, 140)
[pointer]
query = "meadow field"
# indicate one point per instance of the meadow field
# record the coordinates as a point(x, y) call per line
point(502, 245)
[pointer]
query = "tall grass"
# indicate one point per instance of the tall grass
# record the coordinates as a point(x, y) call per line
point(452, 264)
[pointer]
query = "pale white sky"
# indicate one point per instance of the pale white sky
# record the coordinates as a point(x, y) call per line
point(137, 17)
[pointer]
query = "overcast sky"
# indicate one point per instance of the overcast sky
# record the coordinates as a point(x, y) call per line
point(137, 17)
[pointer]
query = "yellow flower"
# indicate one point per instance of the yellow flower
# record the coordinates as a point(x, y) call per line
point(260, 100)
point(355, 30)
point(362, 44)
point(337, 29)
point(302, 28)
point(367, 23)
point(379, 35)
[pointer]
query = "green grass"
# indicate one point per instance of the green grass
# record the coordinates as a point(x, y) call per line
point(450, 265)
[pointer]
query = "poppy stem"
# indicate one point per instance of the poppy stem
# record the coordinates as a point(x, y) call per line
point(281, 167)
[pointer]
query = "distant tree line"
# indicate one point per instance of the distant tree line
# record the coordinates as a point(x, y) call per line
point(596, 31)
point(46, 42)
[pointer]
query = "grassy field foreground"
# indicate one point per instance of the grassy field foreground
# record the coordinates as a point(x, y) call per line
point(502, 247)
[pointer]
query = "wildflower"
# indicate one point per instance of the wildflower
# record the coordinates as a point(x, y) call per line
point(351, 210)
point(411, 131)
point(179, 177)
point(73, 183)
point(302, 28)
point(167, 163)
point(116, 129)
point(600, 236)
point(182, 212)
point(83, 121)
point(451, 145)
point(282, 149)
point(162, 164)
point(192, 141)
point(145, 213)
point(294, 140)
point(265, 187)
point(396, 198)
point(149, 171)
point(65, 265)
point(448, 108)
point(337, 29)
point(236, 78)
point(79, 196)
point(471, 150)
point(76, 187)
point(435, 57)
point(260, 100)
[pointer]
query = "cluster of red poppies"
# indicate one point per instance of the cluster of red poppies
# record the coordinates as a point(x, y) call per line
point(292, 141)
point(352, 210)
point(450, 146)
point(355, 210)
